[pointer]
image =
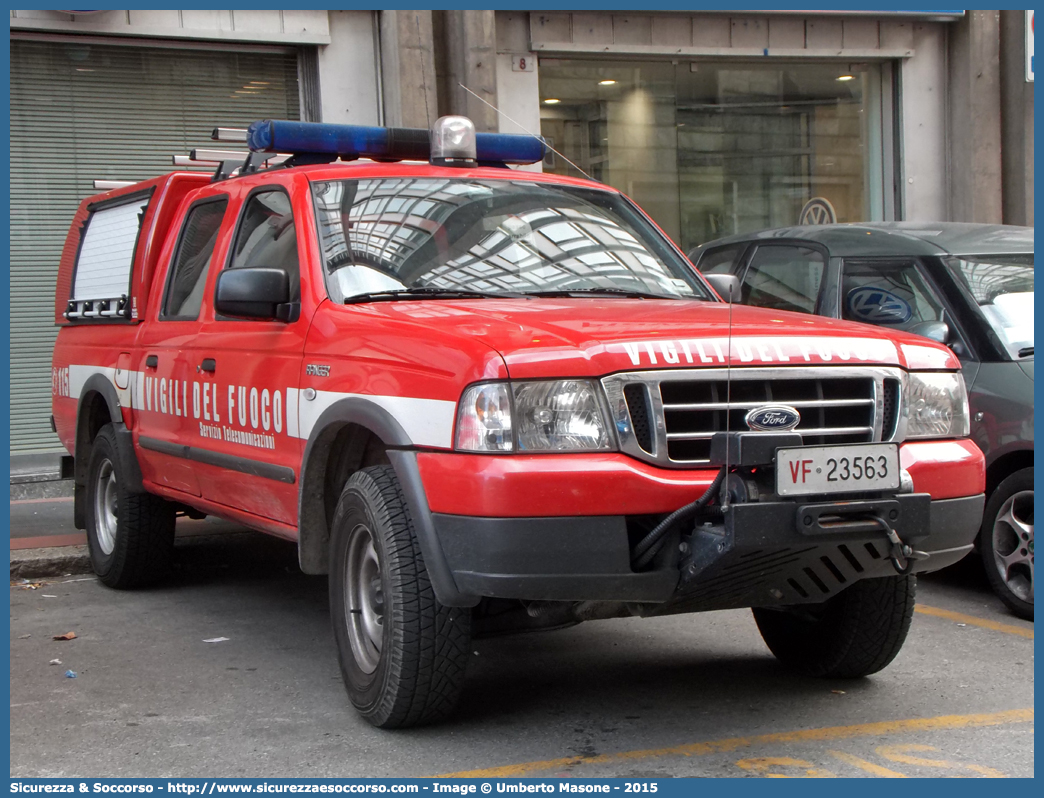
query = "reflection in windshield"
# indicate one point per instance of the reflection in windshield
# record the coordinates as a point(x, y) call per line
point(491, 236)
point(1002, 286)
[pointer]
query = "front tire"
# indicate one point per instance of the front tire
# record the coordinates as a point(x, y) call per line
point(856, 633)
point(402, 654)
point(130, 536)
point(1006, 542)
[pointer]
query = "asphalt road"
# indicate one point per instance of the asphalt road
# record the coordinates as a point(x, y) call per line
point(696, 695)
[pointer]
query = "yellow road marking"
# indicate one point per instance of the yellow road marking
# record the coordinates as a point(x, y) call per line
point(831, 733)
point(972, 620)
point(869, 767)
point(896, 754)
point(762, 765)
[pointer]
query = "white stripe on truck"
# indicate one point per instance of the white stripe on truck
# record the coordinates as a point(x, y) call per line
point(428, 422)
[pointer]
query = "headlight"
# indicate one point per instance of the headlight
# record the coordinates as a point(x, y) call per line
point(551, 416)
point(484, 419)
point(559, 416)
point(936, 405)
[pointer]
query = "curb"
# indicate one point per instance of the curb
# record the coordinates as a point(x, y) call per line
point(36, 563)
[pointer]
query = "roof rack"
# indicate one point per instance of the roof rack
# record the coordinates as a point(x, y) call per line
point(229, 162)
point(229, 134)
point(226, 163)
point(109, 185)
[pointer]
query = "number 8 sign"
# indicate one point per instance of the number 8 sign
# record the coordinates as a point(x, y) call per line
point(523, 63)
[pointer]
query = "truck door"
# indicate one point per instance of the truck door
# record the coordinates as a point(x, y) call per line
point(162, 393)
point(249, 372)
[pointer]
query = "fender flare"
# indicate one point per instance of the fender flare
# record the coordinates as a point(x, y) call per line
point(373, 417)
point(100, 384)
point(130, 469)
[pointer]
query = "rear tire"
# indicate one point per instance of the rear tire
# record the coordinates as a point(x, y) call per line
point(856, 633)
point(130, 536)
point(402, 654)
point(1006, 542)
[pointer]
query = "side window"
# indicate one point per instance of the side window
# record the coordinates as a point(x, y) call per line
point(267, 237)
point(890, 294)
point(188, 274)
point(784, 278)
point(720, 260)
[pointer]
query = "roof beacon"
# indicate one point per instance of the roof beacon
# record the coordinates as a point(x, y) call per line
point(453, 142)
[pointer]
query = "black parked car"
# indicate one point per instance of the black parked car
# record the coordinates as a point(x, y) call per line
point(967, 285)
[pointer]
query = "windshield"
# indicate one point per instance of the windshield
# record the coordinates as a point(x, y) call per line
point(1002, 286)
point(497, 237)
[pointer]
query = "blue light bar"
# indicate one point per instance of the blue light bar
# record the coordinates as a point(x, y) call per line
point(508, 148)
point(381, 142)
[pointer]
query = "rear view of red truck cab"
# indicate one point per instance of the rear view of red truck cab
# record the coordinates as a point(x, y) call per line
point(485, 400)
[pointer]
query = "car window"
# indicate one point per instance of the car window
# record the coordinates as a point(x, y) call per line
point(188, 274)
point(492, 236)
point(1002, 287)
point(893, 295)
point(784, 278)
point(267, 237)
point(721, 260)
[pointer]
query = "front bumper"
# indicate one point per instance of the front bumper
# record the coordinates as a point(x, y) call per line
point(610, 483)
point(761, 556)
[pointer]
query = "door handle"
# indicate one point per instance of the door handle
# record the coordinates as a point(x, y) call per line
point(151, 362)
point(208, 365)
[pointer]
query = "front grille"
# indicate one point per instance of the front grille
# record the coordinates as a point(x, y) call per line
point(671, 415)
point(890, 408)
point(832, 411)
point(638, 408)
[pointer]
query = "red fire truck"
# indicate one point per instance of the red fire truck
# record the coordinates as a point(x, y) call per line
point(485, 399)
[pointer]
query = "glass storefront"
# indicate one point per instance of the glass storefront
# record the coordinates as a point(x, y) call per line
point(711, 149)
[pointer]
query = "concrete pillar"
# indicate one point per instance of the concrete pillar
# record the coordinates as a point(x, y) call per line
point(1016, 121)
point(974, 127)
point(408, 69)
point(925, 183)
point(471, 59)
point(348, 70)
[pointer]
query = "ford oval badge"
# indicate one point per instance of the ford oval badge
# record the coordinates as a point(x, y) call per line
point(773, 418)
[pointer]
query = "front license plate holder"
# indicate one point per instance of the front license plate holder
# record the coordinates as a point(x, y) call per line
point(843, 468)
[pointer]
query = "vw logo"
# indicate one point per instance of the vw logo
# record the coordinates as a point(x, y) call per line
point(773, 418)
point(877, 306)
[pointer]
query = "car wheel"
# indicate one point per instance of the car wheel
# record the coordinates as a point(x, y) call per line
point(130, 536)
point(1006, 542)
point(856, 633)
point(402, 654)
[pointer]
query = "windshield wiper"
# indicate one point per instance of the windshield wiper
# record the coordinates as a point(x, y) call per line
point(1026, 351)
point(428, 292)
point(623, 293)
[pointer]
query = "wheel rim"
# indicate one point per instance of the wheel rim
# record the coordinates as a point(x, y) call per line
point(105, 508)
point(364, 599)
point(1013, 544)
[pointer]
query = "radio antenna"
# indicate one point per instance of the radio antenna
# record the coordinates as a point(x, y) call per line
point(728, 405)
point(528, 132)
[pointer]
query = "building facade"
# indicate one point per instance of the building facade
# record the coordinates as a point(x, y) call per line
point(715, 123)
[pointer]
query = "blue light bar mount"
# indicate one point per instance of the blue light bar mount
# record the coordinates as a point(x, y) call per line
point(310, 140)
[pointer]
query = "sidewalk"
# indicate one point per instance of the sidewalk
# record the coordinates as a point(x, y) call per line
point(44, 542)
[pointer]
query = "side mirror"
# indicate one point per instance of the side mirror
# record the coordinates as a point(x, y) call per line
point(727, 286)
point(252, 293)
point(938, 331)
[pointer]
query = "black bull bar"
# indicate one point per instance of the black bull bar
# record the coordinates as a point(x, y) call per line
point(783, 552)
